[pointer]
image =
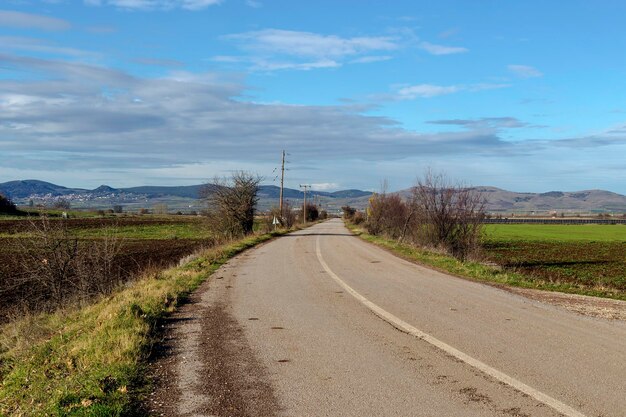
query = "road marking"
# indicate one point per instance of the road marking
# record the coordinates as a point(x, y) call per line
point(483, 367)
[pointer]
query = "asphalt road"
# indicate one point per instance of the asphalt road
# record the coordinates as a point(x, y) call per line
point(320, 323)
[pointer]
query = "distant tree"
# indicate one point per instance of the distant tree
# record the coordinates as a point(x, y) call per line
point(62, 203)
point(118, 208)
point(7, 206)
point(348, 212)
point(232, 203)
point(312, 212)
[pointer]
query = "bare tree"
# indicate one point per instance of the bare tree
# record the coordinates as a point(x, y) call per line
point(450, 214)
point(232, 204)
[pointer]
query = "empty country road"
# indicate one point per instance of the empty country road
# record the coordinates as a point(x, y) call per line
point(320, 323)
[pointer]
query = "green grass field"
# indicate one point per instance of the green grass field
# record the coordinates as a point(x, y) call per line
point(585, 256)
point(555, 233)
point(581, 259)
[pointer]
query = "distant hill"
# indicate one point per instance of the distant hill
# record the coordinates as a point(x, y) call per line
point(179, 197)
point(187, 191)
point(26, 188)
point(186, 197)
point(584, 201)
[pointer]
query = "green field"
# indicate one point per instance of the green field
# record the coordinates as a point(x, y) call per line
point(588, 257)
point(555, 232)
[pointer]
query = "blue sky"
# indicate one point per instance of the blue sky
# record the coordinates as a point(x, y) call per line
point(526, 96)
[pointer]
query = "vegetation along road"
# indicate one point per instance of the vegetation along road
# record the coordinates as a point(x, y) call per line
point(321, 323)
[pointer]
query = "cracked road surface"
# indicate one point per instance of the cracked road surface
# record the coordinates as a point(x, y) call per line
point(320, 323)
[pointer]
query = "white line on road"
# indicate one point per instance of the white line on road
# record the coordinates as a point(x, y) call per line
point(406, 327)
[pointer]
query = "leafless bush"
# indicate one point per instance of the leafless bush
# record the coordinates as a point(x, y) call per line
point(289, 218)
point(57, 268)
point(312, 213)
point(448, 215)
point(436, 214)
point(386, 215)
point(348, 212)
point(232, 204)
point(358, 217)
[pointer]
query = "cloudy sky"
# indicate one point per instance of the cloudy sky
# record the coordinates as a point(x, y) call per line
point(523, 95)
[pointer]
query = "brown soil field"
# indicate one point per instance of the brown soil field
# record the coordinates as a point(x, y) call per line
point(134, 255)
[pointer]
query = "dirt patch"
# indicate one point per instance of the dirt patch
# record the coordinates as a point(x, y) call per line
point(589, 306)
point(233, 377)
point(474, 396)
point(203, 364)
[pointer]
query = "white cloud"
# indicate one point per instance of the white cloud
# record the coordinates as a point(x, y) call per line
point(411, 92)
point(485, 122)
point(425, 91)
point(308, 44)
point(433, 49)
point(263, 65)
point(370, 59)
point(525, 71)
point(272, 49)
point(71, 113)
point(32, 21)
point(325, 186)
point(19, 43)
point(155, 4)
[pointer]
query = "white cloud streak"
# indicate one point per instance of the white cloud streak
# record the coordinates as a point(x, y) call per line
point(18, 43)
point(9, 18)
point(191, 5)
point(276, 49)
point(525, 71)
point(434, 49)
point(412, 92)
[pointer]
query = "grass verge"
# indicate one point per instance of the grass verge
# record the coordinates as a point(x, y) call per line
point(478, 271)
point(88, 361)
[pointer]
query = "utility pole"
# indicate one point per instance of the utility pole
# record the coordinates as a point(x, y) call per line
point(282, 182)
point(305, 186)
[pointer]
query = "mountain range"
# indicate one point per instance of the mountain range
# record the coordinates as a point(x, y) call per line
point(179, 197)
point(29, 188)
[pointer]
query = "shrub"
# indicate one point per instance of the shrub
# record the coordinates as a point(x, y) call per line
point(62, 203)
point(348, 212)
point(358, 217)
point(7, 206)
point(312, 212)
point(57, 268)
point(386, 214)
point(449, 216)
point(232, 204)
